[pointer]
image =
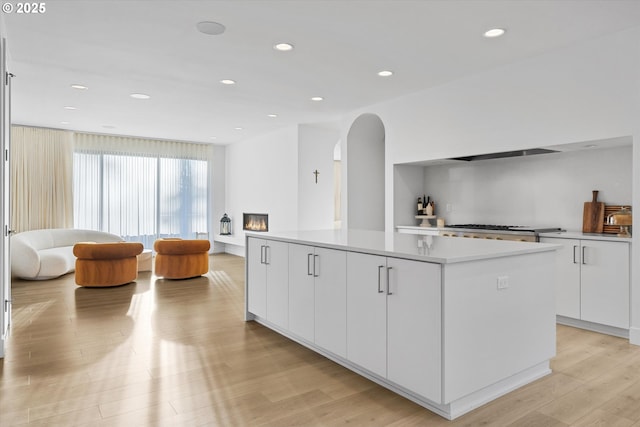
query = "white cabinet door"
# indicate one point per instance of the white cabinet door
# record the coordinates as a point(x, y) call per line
point(301, 291)
point(330, 271)
point(605, 283)
point(567, 276)
point(256, 277)
point(414, 326)
point(277, 260)
point(367, 312)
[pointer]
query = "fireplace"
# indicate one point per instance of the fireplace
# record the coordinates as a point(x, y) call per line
point(255, 222)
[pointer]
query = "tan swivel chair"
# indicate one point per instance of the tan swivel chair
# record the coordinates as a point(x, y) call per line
point(181, 259)
point(106, 264)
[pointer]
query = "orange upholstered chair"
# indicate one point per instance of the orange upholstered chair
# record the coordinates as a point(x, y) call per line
point(181, 259)
point(106, 264)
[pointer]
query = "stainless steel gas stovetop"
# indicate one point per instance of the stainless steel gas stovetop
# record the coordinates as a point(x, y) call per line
point(497, 232)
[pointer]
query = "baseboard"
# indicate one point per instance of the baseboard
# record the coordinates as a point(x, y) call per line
point(234, 249)
point(494, 391)
point(634, 335)
point(218, 248)
point(595, 327)
point(228, 247)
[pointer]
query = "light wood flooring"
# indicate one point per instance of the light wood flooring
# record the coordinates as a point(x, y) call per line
point(178, 353)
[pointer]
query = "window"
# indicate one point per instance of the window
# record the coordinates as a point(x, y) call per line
point(140, 197)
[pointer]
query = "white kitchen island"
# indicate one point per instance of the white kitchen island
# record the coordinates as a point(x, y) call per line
point(449, 323)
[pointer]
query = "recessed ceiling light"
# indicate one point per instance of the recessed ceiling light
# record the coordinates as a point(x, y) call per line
point(227, 82)
point(211, 28)
point(273, 116)
point(139, 96)
point(238, 128)
point(69, 107)
point(80, 87)
point(213, 137)
point(64, 123)
point(317, 98)
point(283, 47)
point(385, 73)
point(494, 32)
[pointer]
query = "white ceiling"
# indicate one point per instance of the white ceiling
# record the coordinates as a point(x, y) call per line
point(121, 47)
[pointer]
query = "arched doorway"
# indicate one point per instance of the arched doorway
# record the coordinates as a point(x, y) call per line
point(365, 174)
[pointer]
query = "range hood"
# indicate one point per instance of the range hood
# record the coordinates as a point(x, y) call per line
point(517, 153)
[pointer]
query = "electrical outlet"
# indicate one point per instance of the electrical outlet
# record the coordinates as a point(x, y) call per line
point(503, 282)
point(449, 207)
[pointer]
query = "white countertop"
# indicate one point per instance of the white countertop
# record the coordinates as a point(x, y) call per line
point(587, 236)
point(571, 234)
point(436, 249)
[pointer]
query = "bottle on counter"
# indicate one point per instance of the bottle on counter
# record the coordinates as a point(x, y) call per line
point(424, 204)
point(429, 208)
point(420, 207)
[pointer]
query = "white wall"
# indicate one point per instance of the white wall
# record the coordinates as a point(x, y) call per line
point(262, 177)
point(584, 92)
point(634, 332)
point(580, 93)
point(217, 184)
point(541, 190)
point(316, 200)
point(576, 94)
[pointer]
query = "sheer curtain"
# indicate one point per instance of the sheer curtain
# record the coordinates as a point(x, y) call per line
point(41, 178)
point(141, 189)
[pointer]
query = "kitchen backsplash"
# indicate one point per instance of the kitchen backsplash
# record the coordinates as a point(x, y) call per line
point(541, 190)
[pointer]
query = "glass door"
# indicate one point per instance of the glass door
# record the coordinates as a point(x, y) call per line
point(5, 134)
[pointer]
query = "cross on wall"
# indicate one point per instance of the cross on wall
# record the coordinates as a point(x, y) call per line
point(316, 173)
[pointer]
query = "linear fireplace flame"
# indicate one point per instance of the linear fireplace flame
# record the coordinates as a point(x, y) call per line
point(255, 222)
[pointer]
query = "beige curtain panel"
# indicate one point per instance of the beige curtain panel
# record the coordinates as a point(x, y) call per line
point(87, 142)
point(41, 178)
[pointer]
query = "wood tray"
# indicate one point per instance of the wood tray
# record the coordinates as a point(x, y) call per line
point(608, 210)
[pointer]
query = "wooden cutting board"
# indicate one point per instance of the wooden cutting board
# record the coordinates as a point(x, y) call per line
point(593, 215)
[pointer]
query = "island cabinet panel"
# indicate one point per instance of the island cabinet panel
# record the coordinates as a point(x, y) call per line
point(277, 261)
point(394, 320)
point(301, 291)
point(367, 312)
point(256, 277)
point(268, 276)
point(317, 296)
point(330, 268)
point(496, 309)
point(414, 327)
